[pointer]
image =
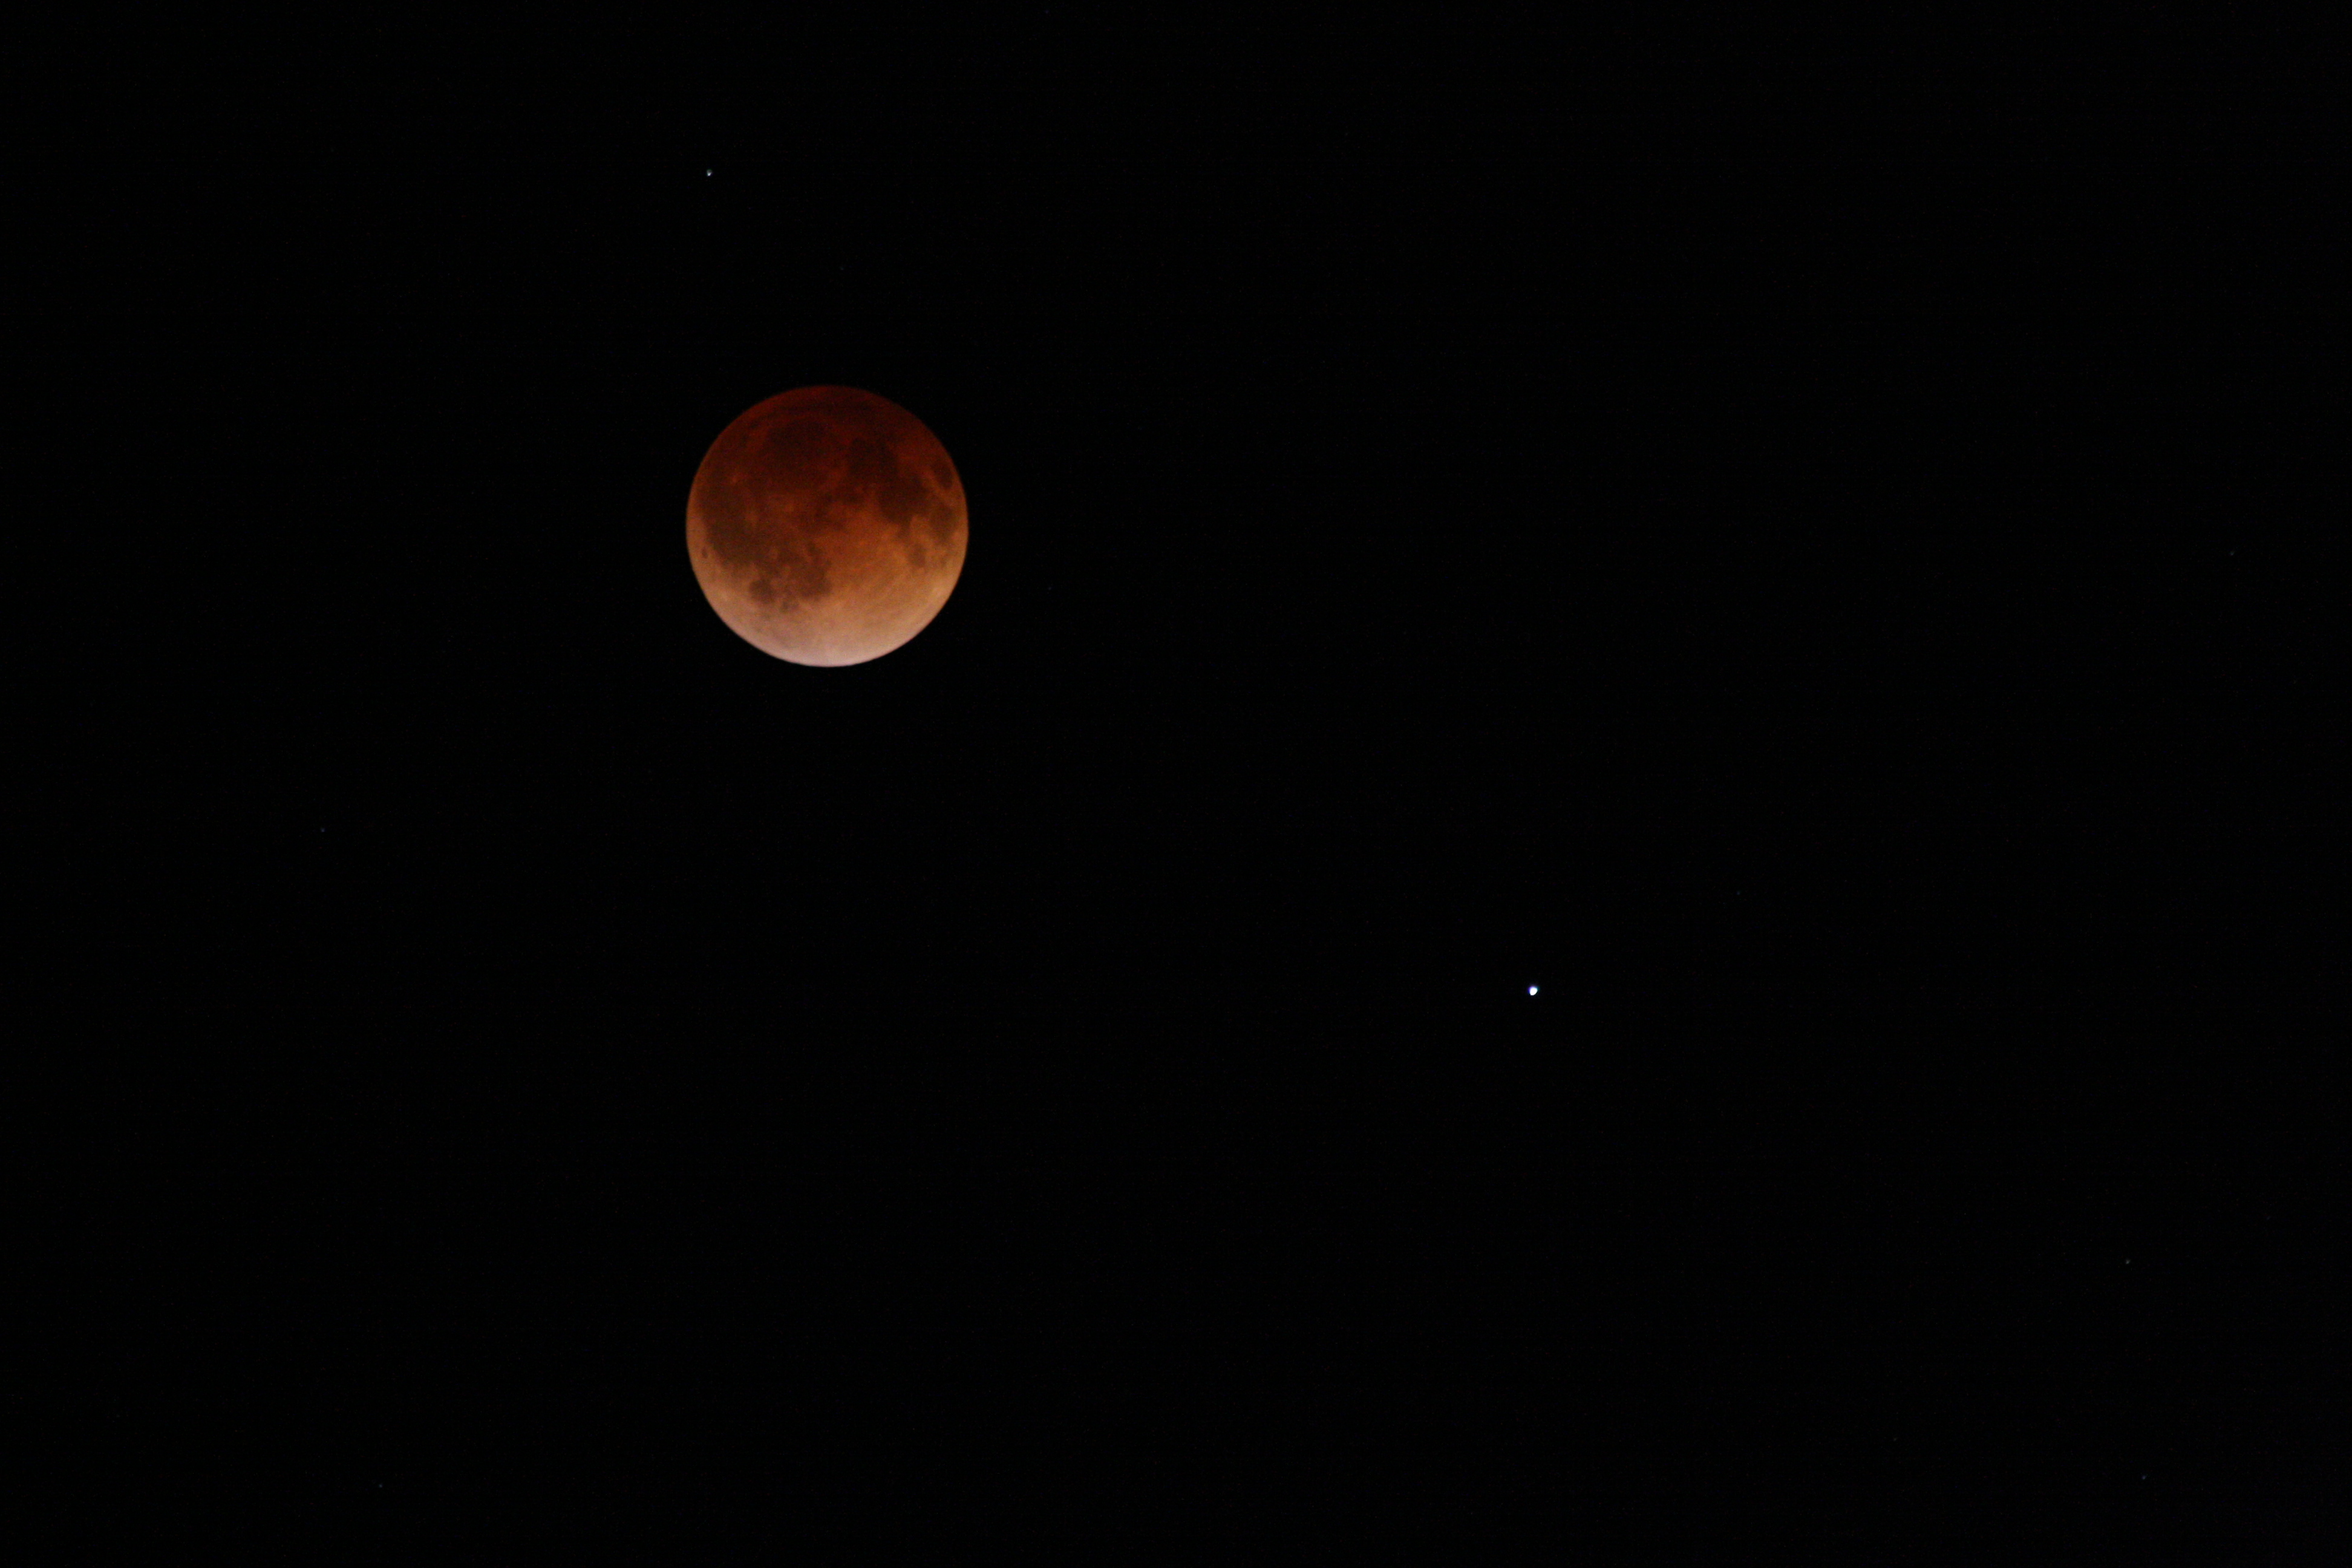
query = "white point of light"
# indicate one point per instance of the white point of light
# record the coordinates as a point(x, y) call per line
point(1532, 990)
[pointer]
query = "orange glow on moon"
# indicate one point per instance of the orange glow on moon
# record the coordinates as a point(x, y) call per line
point(827, 526)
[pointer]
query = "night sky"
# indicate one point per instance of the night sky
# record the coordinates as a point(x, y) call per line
point(1628, 776)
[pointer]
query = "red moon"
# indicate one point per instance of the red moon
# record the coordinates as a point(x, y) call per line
point(827, 526)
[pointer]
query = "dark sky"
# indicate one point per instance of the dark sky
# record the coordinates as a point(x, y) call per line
point(1804, 548)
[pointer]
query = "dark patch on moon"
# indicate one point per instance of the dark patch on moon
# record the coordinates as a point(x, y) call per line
point(793, 445)
point(726, 526)
point(795, 574)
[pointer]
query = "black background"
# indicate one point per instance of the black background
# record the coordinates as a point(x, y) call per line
point(1815, 550)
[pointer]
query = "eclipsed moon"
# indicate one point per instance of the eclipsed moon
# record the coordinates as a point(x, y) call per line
point(827, 526)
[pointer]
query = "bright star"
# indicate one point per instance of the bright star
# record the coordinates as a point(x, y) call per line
point(1532, 990)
